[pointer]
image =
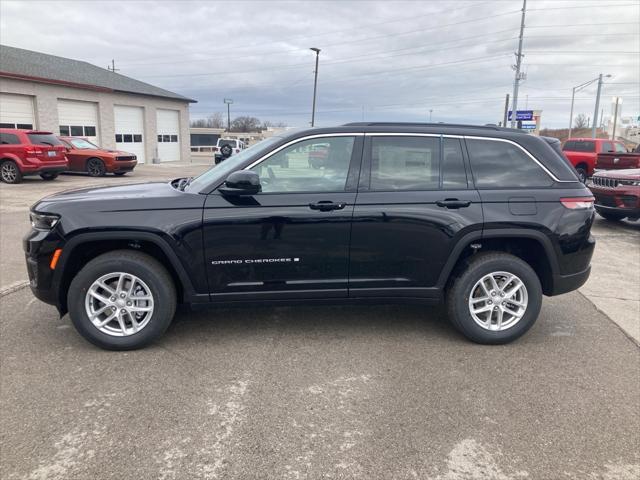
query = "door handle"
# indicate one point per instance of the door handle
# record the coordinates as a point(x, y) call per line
point(453, 203)
point(327, 205)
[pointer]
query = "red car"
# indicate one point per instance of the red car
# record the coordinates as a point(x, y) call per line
point(30, 152)
point(583, 153)
point(617, 193)
point(85, 156)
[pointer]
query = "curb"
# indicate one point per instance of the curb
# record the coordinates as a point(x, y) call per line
point(14, 287)
point(624, 332)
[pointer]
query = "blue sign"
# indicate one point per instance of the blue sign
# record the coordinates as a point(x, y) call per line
point(523, 115)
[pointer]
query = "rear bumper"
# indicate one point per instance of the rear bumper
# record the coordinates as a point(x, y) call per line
point(568, 283)
point(37, 167)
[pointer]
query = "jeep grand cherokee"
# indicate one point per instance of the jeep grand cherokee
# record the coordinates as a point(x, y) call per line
point(485, 218)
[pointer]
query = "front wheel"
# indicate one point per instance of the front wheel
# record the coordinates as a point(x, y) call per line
point(122, 300)
point(96, 168)
point(496, 299)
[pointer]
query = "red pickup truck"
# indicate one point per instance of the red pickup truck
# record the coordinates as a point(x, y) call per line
point(583, 153)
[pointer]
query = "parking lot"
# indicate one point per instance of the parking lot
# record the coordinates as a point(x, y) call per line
point(322, 392)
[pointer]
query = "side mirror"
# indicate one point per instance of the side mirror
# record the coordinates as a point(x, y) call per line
point(242, 182)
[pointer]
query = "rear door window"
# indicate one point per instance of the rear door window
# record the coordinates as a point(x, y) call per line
point(405, 163)
point(499, 164)
point(607, 147)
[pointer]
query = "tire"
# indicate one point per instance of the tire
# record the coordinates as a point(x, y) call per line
point(48, 176)
point(9, 172)
point(119, 174)
point(96, 168)
point(582, 174)
point(612, 217)
point(153, 281)
point(226, 151)
point(464, 285)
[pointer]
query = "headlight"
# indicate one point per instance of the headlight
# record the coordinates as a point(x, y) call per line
point(43, 221)
point(634, 183)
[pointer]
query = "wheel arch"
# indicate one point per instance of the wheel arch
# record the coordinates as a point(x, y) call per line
point(533, 247)
point(82, 248)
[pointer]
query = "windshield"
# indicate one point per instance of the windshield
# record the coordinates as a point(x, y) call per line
point(222, 143)
point(220, 171)
point(82, 143)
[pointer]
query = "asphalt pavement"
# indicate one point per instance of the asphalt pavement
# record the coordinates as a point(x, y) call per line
point(323, 392)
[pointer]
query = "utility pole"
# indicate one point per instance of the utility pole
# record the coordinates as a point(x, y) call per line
point(112, 67)
point(615, 119)
point(430, 114)
point(517, 66)
point(228, 101)
point(315, 86)
point(595, 112)
point(506, 111)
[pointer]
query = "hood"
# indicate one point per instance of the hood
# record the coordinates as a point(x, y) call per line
point(130, 193)
point(625, 174)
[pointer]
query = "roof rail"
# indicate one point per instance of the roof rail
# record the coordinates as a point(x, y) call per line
point(441, 124)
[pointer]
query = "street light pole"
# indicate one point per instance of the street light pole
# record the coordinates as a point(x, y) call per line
point(315, 86)
point(595, 113)
point(430, 113)
point(228, 101)
point(573, 96)
point(518, 65)
point(575, 90)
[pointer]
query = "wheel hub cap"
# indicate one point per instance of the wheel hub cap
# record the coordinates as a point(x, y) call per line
point(119, 304)
point(498, 301)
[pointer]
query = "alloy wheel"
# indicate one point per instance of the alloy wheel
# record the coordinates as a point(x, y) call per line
point(119, 304)
point(498, 301)
point(9, 172)
point(95, 168)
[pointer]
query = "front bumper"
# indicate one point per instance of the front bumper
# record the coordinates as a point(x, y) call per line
point(122, 166)
point(619, 200)
point(39, 247)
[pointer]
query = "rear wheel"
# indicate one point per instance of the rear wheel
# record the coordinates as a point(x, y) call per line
point(496, 299)
point(9, 172)
point(95, 167)
point(122, 300)
point(48, 176)
point(612, 217)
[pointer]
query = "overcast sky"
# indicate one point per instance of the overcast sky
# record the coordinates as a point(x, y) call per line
point(391, 60)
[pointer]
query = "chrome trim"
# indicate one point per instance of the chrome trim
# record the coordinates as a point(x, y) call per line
point(492, 139)
point(301, 139)
point(407, 134)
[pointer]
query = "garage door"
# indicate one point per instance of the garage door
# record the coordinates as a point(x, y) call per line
point(129, 123)
point(168, 135)
point(16, 111)
point(78, 119)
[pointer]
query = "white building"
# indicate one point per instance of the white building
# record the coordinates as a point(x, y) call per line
point(71, 97)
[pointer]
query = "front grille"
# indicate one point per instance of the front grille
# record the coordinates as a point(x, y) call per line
point(126, 158)
point(605, 182)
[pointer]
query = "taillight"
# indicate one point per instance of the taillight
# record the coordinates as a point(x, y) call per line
point(577, 203)
point(33, 150)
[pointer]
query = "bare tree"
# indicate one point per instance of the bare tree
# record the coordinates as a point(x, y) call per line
point(580, 121)
point(216, 120)
point(245, 124)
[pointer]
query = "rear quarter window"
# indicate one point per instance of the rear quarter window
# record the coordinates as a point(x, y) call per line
point(498, 164)
point(579, 146)
point(9, 139)
point(43, 139)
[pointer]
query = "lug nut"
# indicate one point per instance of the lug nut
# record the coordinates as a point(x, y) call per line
point(493, 294)
point(128, 304)
point(502, 294)
point(122, 295)
point(123, 311)
point(113, 299)
point(490, 302)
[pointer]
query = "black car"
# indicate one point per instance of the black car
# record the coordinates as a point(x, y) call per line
point(486, 218)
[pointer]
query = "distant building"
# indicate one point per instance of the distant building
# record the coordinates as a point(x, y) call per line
point(71, 97)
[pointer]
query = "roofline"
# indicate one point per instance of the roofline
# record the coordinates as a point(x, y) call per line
point(84, 86)
point(436, 125)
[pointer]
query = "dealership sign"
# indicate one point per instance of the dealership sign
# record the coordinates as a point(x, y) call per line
point(522, 115)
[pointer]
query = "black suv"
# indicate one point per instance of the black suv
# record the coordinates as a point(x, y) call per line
point(486, 218)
